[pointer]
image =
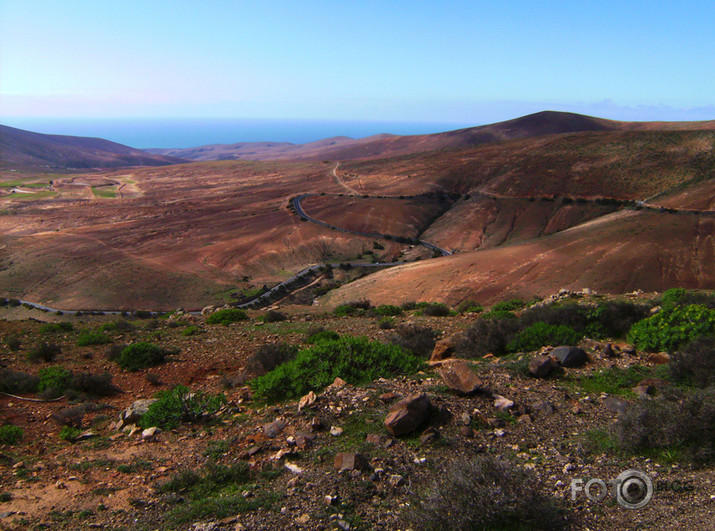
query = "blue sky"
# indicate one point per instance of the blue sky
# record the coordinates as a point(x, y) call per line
point(424, 61)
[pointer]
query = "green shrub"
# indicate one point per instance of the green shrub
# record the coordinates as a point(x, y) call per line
point(509, 306)
point(352, 308)
point(469, 306)
point(51, 328)
point(53, 381)
point(387, 310)
point(226, 316)
point(70, 433)
point(117, 326)
point(93, 384)
point(10, 434)
point(92, 337)
point(141, 355)
point(672, 329)
point(540, 335)
point(485, 493)
point(180, 405)
point(386, 323)
point(681, 297)
point(44, 352)
point(191, 330)
point(354, 359)
point(614, 318)
point(321, 334)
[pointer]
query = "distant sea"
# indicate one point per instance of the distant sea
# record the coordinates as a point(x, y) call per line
point(184, 133)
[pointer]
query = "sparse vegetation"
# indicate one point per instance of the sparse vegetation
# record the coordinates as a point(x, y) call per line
point(694, 364)
point(44, 351)
point(92, 337)
point(141, 355)
point(486, 493)
point(226, 316)
point(269, 356)
point(419, 340)
point(273, 316)
point(181, 405)
point(354, 359)
point(10, 434)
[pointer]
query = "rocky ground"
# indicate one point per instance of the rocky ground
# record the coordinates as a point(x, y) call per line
point(328, 461)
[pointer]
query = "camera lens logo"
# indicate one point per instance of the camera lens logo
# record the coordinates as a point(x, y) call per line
point(634, 489)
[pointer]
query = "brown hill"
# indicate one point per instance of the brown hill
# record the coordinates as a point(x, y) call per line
point(25, 149)
point(385, 145)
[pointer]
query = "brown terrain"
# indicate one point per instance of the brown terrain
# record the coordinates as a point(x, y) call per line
point(537, 208)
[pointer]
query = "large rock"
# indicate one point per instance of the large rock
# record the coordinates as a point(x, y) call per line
point(542, 366)
point(273, 429)
point(133, 413)
point(443, 349)
point(459, 377)
point(350, 461)
point(570, 356)
point(408, 414)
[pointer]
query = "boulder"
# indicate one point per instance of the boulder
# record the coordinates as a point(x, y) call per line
point(150, 434)
point(408, 414)
point(541, 366)
point(459, 377)
point(570, 356)
point(273, 429)
point(133, 413)
point(443, 349)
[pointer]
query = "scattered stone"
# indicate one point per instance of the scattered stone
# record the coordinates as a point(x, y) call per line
point(294, 468)
point(335, 431)
point(429, 436)
point(274, 428)
point(60, 485)
point(303, 519)
point(395, 480)
point(330, 500)
point(628, 350)
point(502, 403)
point(659, 358)
point(568, 467)
point(570, 356)
point(307, 401)
point(150, 434)
point(499, 432)
point(407, 414)
point(337, 383)
point(348, 461)
point(316, 424)
point(253, 450)
point(617, 405)
point(465, 419)
point(607, 351)
point(542, 366)
point(389, 397)
point(524, 419)
point(459, 377)
point(342, 524)
point(543, 407)
point(373, 438)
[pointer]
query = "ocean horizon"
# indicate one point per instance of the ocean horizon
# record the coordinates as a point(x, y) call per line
point(145, 133)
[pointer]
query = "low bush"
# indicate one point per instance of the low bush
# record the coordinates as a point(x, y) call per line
point(273, 316)
point(684, 424)
point(387, 310)
point(681, 297)
point(141, 355)
point(227, 316)
point(120, 325)
point(386, 323)
point(672, 329)
point(44, 352)
point(13, 343)
point(70, 433)
point(486, 493)
point(695, 363)
point(408, 306)
point(52, 328)
point(269, 356)
point(319, 333)
point(71, 416)
point(486, 336)
point(10, 434)
point(114, 351)
point(53, 381)
point(17, 381)
point(469, 306)
point(509, 306)
point(419, 340)
point(354, 359)
point(352, 308)
point(191, 330)
point(180, 405)
point(92, 337)
point(540, 335)
point(436, 309)
point(93, 384)
point(499, 314)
